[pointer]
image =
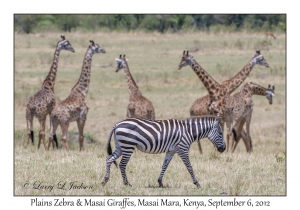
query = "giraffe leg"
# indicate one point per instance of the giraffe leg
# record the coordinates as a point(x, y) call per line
point(123, 163)
point(231, 141)
point(228, 126)
point(109, 160)
point(249, 140)
point(130, 112)
point(42, 122)
point(29, 119)
point(152, 115)
point(52, 135)
point(238, 138)
point(184, 155)
point(80, 125)
point(239, 129)
point(230, 135)
point(234, 134)
point(64, 129)
point(149, 114)
point(167, 160)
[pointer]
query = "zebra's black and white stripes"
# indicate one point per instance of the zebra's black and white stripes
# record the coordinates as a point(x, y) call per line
point(170, 136)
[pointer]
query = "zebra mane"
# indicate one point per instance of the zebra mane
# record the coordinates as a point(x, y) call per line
point(207, 117)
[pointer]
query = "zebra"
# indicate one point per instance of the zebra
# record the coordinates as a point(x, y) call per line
point(161, 136)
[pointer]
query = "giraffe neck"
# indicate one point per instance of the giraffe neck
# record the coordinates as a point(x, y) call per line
point(82, 86)
point(258, 90)
point(49, 82)
point(132, 87)
point(238, 79)
point(210, 84)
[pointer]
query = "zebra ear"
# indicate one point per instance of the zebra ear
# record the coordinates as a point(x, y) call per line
point(269, 86)
point(273, 87)
point(184, 52)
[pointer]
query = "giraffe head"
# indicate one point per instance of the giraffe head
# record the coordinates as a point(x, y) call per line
point(95, 48)
point(122, 62)
point(270, 93)
point(259, 59)
point(186, 60)
point(64, 44)
point(259, 90)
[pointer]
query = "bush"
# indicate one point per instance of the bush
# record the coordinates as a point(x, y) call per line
point(150, 22)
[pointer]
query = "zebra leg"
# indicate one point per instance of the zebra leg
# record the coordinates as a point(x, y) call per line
point(109, 160)
point(167, 160)
point(184, 155)
point(199, 146)
point(125, 158)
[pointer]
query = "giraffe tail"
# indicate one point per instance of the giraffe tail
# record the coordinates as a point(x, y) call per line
point(32, 136)
point(108, 147)
point(234, 134)
point(55, 139)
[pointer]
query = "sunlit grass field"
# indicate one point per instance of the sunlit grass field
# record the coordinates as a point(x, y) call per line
point(153, 62)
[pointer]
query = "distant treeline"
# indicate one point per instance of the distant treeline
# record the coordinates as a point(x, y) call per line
point(28, 23)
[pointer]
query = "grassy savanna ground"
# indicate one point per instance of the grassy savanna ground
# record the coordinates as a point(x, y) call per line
point(153, 62)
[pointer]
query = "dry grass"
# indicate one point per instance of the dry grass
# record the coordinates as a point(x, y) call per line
point(153, 61)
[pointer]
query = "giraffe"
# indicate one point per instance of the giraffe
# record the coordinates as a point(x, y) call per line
point(42, 102)
point(139, 106)
point(202, 105)
point(218, 92)
point(74, 107)
point(239, 112)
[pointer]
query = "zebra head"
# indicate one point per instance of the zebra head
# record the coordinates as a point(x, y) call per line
point(270, 93)
point(216, 135)
point(259, 59)
point(186, 60)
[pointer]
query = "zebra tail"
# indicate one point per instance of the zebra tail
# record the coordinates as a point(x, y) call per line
point(234, 134)
point(108, 147)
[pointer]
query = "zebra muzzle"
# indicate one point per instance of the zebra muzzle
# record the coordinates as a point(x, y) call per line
point(221, 149)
